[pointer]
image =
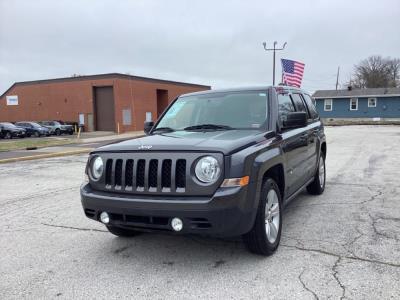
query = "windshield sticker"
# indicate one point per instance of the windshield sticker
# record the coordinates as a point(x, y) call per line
point(171, 113)
point(262, 94)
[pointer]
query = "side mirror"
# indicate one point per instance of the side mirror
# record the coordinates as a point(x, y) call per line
point(295, 120)
point(148, 125)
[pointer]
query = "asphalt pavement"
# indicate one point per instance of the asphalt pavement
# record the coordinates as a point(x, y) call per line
point(342, 244)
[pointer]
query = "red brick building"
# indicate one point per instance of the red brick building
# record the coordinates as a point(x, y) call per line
point(101, 102)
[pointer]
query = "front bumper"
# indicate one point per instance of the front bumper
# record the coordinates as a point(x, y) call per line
point(227, 213)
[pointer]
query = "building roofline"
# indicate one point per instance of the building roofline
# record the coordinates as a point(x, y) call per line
point(102, 76)
point(357, 96)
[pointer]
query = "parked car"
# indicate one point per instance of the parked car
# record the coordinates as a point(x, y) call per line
point(9, 130)
point(33, 129)
point(221, 163)
point(57, 128)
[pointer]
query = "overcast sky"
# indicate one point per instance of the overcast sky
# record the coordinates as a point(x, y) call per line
point(218, 43)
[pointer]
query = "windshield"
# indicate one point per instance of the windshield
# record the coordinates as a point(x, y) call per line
point(233, 110)
point(36, 125)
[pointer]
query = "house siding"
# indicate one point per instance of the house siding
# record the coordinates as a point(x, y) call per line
point(387, 107)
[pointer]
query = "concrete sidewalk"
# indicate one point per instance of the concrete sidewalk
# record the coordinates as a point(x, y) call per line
point(122, 136)
point(81, 146)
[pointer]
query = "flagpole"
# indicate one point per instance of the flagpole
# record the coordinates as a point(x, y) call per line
point(273, 57)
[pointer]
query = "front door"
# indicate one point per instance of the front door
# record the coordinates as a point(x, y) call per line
point(294, 147)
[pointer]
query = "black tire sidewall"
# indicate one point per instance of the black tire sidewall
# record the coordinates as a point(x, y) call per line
point(256, 239)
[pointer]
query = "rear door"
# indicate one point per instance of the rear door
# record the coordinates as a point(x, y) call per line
point(316, 129)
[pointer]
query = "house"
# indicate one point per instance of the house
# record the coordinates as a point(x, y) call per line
point(104, 102)
point(359, 105)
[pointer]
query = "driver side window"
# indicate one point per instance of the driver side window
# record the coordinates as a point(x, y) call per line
point(285, 106)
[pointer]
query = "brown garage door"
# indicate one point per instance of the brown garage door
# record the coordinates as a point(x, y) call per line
point(104, 108)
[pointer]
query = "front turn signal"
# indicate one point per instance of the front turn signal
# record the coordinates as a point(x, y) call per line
point(243, 181)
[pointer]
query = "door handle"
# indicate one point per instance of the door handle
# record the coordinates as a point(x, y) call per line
point(304, 137)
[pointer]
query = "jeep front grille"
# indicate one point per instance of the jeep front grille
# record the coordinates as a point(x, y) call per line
point(154, 174)
point(146, 175)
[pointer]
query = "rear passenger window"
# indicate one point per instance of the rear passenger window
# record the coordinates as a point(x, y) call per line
point(311, 106)
point(298, 102)
point(285, 106)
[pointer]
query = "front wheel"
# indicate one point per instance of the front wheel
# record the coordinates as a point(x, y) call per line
point(317, 187)
point(265, 235)
point(58, 132)
point(122, 232)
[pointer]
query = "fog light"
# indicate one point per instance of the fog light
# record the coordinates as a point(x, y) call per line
point(104, 217)
point(177, 224)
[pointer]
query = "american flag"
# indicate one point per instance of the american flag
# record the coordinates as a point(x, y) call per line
point(292, 72)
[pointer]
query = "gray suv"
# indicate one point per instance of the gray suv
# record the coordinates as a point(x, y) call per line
point(57, 128)
point(221, 163)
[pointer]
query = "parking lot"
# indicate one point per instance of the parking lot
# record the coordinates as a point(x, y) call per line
point(342, 244)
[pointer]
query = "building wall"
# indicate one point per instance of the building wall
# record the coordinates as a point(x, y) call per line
point(141, 97)
point(65, 100)
point(386, 107)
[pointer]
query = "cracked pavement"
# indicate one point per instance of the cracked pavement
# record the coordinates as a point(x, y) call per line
point(344, 244)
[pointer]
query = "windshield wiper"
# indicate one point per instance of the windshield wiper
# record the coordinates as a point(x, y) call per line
point(208, 126)
point(163, 129)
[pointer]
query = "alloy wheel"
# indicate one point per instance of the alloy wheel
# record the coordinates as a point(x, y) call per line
point(272, 216)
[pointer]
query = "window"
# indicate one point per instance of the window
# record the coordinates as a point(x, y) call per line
point(311, 106)
point(285, 106)
point(149, 116)
point(371, 102)
point(328, 105)
point(298, 102)
point(126, 117)
point(353, 104)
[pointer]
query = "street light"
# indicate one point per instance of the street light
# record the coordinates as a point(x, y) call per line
point(273, 49)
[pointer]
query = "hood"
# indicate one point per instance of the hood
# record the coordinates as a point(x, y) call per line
point(227, 142)
point(16, 128)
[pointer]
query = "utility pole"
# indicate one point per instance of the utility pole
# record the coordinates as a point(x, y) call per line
point(273, 62)
point(337, 77)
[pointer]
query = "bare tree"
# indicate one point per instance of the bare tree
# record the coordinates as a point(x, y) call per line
point(371, 72)
point(394, 71)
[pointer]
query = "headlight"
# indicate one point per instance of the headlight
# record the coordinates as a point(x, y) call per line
point(207, 169)
point(97, 167)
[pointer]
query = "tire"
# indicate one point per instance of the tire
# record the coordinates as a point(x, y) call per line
point(8, 135)
point(122, 232)
point(317, 187)
point(37, 134)
point(261, 238)
point(57, 132)
point(71, 132)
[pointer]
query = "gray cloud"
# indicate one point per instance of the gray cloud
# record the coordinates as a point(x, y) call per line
point(209, 42)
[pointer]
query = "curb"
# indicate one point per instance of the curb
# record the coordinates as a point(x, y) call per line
point(47, 155)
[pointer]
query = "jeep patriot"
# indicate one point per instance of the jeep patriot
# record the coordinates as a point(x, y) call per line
point(221, 163)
